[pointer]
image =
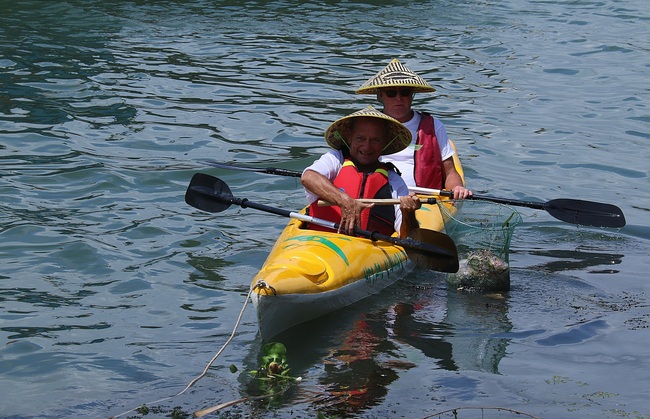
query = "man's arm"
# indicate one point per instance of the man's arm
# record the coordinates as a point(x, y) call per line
point(325, 189)
point(453, 181)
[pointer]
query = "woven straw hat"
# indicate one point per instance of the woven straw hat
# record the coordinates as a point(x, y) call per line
point(395, 75)
point(338, 133)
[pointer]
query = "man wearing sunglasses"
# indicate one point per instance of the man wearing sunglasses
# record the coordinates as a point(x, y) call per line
point(428, 161)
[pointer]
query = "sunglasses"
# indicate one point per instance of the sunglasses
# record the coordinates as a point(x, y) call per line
point(402, 92)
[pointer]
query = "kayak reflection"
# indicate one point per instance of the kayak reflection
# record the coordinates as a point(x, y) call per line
point(471, 334)
point(350, 357)
point(480, 324)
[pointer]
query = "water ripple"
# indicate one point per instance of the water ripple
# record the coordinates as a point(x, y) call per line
point(108, 276)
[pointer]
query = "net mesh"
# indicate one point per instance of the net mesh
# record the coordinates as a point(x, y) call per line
point(482, 231)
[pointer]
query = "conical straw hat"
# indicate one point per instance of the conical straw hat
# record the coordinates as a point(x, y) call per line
point(338, 133)
point(395, 75)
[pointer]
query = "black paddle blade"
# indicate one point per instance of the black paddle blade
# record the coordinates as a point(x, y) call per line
point(431, 258)
point(208, 193)
point(586, 213)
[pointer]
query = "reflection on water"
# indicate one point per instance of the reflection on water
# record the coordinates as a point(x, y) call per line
point(360, 351)
point(598, 251)
point(355, 377)
point(565, 260)
point(469, 337)
point(413, 326)
point(350, 359)
point(576, 334)
point(480, 323)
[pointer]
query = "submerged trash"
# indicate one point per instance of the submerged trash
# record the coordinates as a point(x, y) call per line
point(481, 270)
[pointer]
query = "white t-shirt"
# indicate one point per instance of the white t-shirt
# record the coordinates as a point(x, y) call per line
point(329, 165)
point(403, 160)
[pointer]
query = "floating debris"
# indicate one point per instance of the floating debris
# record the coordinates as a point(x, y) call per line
point(274, 361)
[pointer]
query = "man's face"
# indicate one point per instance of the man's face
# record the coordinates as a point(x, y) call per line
point(367, 140)
point(397, 102)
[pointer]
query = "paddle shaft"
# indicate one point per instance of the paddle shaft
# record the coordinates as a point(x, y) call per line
point(416, 189)
point(573, 211)
point(267, 170)
point(391, 201)
point(528, 204)
point(379, 201)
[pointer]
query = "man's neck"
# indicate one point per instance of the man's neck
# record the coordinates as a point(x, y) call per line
point(404, 118)
point(366, 168)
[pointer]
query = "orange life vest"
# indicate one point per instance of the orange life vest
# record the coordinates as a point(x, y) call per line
point(380, 218)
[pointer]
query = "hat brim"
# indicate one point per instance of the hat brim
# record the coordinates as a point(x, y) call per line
point(417, 88)
point(338, 133)
point(395, 74)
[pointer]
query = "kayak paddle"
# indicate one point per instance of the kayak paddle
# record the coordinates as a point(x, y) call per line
point(426, 248)
point(575, 211)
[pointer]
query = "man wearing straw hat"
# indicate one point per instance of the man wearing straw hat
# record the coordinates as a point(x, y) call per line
point(353, 170)
point(428, 161)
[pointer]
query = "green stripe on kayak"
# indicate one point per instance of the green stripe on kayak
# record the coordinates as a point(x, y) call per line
point(326, 242)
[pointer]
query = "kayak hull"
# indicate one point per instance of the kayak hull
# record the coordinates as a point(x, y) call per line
point(311, 273)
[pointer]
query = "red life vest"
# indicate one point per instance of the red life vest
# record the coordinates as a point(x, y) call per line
point(380, 218)
point(427, 160)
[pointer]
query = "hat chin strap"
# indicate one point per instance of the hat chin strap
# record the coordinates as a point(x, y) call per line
point(340, 138)
point(389, 143)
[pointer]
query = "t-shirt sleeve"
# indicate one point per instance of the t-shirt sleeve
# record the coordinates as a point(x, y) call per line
point(446, 150)
point(328, 165)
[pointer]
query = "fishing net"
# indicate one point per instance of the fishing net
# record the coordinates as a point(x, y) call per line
point(482, 231)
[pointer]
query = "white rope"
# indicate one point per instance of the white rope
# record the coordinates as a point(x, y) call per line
point(232, 335)
point(207, 367)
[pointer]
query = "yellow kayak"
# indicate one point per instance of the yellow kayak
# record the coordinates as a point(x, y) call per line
point(311, 273)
